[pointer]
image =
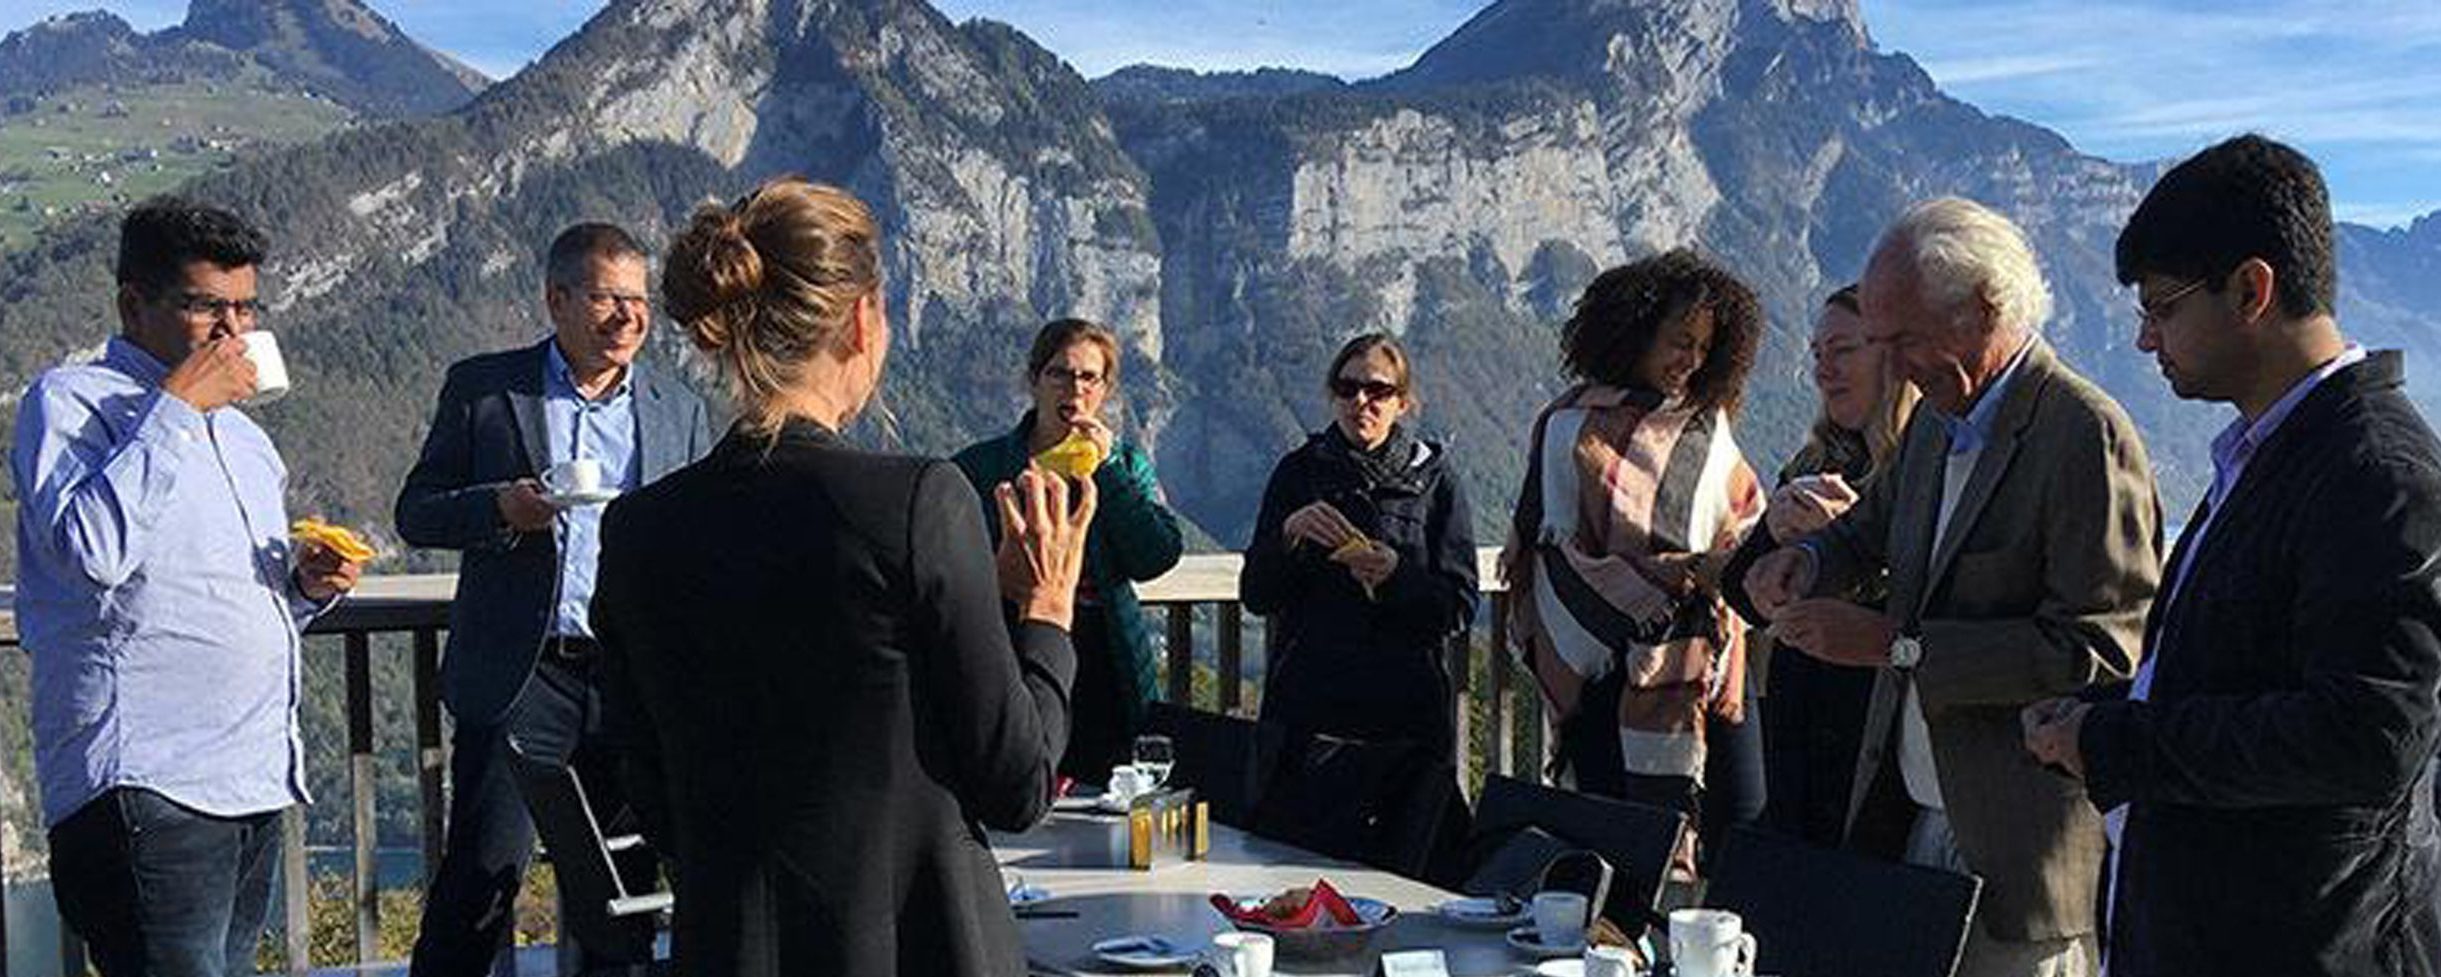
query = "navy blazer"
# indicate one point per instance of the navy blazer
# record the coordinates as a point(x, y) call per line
point(2280, 820)
point(488, 431)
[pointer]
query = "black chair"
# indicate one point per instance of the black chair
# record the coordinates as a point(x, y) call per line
point(1636, 839)
point(606, 882)
point(1389, 804)
point(1821, 912)
point(1215, 755)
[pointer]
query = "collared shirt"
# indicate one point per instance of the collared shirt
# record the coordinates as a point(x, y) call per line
point(1967, 437)
point(605, 431)
point(155, 594)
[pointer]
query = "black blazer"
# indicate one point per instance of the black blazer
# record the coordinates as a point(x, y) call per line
point(487, 432)
point(808, 673)
point(2280, 819)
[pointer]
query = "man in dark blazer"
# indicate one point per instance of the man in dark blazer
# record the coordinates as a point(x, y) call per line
point(521, 658)
point(2272, 758)
point(2020, 532)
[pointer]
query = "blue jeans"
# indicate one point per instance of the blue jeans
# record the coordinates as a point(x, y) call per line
point(156, 888)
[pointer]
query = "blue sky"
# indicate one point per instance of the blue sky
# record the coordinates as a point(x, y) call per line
point(2355, 83)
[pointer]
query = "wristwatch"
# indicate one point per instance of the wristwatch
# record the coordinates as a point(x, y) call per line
point(1905, 652)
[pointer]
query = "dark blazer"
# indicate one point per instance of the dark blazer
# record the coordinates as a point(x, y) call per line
point(2039, 590)
point(2279, 818)
point(808, 674)
point(487, 432)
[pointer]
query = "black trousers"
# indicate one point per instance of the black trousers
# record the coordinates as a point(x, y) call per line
point(157, 888)
point(472, 905)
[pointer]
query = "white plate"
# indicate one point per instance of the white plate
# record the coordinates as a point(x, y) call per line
point(1525, 939)
point(1476, 912)
point(1144, 952)
point(570, 500)
point(1563, 967)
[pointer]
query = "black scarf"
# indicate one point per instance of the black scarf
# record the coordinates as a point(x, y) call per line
point(1392, 463)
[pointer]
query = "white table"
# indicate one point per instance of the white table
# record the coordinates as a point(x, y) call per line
point(1072, 857)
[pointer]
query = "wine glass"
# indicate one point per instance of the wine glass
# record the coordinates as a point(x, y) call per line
point(1154, 755)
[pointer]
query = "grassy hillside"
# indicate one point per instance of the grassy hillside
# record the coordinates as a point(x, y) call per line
point(99, 147)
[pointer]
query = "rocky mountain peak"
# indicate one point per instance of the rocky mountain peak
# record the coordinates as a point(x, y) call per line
point(1622, 41)
point(341, 48)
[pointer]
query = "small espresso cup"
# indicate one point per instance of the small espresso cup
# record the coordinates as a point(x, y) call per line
point(1710, 943)
point(1126, 782)
point(270, 370)
point(1240, 954)
point(576, 476)
point(1610, 961)
point(1559, 918)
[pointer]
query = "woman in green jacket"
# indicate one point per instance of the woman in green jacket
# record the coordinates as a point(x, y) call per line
point(1070, 372)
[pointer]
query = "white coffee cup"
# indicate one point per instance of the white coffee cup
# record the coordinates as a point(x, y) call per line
point(270, 371)
point(1559, 918)
point(576, 476)
point(1126, 782)
point(1241, 954)
point(1610, 961)
point(1710, 943)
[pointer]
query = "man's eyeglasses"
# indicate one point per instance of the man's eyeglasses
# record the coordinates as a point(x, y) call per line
point(214, 308)
point(1348, 388)
point(1063, 376)
point(603, 303)
point(2150, 314)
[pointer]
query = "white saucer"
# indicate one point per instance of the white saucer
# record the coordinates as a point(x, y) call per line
point(1562, 967)
point(1478, 912)
point(573, 499)
point(1145, 953)
point(1525, 939)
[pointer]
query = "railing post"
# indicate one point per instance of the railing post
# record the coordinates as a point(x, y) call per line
point(1232, 657)
point(361, 794)
point(1181, 655)
point(431, 761)
point(1504, 729)
point(1458, 659)
point(297, 890)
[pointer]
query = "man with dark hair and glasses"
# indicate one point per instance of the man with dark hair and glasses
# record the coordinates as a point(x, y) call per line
point(520, 668)
point(2268, 770)
point(161, 599)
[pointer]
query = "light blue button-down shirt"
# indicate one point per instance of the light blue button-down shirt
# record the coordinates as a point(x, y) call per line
point(155, 594)
point(605, 431)
point(1970, 432)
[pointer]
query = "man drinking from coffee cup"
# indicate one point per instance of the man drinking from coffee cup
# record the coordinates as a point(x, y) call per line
point(161, 598)
point(525, 446)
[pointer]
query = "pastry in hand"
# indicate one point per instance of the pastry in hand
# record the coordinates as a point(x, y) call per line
point(1075, 456)
point(339, 539)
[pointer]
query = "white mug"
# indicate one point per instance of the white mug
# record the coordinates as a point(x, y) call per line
point(576, 476)
point(1241, 954)
point(1610, 961)
point(1559, 918)
point(1126, 782)
point(270, 371)
point(1710, 943)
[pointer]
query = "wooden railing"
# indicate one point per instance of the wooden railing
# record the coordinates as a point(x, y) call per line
point(418, 606)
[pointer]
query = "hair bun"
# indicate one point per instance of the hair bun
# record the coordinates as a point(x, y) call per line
point(714, 273)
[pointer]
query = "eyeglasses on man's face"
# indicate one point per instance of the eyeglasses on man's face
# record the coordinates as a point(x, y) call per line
point(2151, 313)
point(212, 308)
point(603, 303)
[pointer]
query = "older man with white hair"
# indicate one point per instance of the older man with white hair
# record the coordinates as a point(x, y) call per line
point(2021, 537)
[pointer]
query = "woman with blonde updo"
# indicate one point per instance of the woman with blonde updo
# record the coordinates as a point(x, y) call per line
point(804, 651)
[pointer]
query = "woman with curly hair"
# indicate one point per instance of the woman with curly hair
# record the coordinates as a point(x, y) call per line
point(1635, 496)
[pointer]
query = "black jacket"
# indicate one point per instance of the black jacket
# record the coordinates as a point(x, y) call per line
point(2280, 821)
point(807, 667)
point(488, 431)
point(1342, 662)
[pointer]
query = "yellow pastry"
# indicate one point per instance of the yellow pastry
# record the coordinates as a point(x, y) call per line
point(348, 545)
point(1075, 456)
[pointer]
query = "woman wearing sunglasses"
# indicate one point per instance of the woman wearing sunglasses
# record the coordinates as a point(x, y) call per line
point(1364, 561)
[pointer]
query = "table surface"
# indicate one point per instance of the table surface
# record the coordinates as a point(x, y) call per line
point(1073, 858)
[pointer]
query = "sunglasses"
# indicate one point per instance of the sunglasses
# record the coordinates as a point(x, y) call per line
point(1347, 388)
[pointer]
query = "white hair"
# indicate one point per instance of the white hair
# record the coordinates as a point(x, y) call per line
point(1963, 252)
